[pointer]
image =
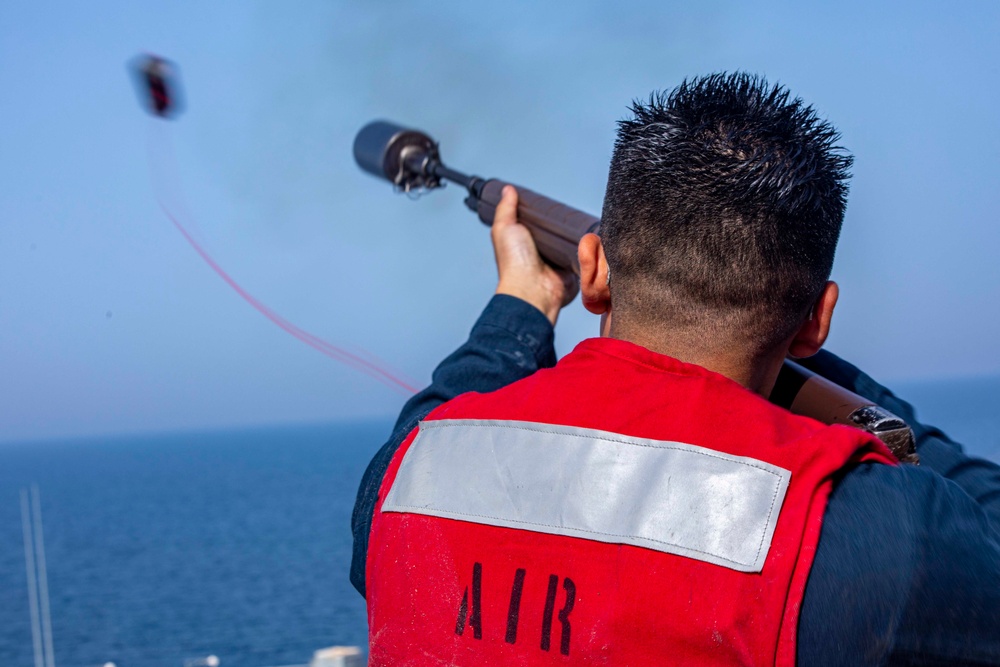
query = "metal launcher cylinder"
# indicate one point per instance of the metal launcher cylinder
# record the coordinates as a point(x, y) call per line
point(410, 160)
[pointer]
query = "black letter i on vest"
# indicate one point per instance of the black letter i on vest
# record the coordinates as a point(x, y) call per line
point(476, 618)
point(514, 610)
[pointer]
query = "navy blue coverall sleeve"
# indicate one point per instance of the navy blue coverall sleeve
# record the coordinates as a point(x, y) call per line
point(511, 340)
point(907, 570)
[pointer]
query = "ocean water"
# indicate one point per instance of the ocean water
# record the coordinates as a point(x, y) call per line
point(171, 547)
point(165, 548)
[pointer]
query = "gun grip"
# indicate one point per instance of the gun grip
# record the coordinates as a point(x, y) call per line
point(556, 228)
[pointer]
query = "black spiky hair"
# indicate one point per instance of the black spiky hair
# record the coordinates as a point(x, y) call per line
point(726, 195)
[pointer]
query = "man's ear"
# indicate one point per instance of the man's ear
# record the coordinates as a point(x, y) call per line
point(815, 330)
point(595, 291)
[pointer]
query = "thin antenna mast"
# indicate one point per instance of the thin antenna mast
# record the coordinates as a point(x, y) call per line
point(29, 561)
point(43, 580)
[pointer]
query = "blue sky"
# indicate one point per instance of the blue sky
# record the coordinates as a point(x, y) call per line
point(110, 323)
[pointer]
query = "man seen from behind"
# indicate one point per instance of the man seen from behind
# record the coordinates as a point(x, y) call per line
point(640, 502)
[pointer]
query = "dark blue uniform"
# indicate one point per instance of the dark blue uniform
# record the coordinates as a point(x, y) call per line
point(907, 569)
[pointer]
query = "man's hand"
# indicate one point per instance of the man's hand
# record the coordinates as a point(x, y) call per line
point(523, 272)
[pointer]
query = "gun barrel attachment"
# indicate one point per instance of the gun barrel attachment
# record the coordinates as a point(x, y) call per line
point(410, 160)
point(398, 154)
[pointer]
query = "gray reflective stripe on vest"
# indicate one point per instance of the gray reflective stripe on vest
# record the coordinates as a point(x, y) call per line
point(668, 496)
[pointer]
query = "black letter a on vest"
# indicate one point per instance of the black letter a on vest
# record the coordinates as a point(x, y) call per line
point(476, 618)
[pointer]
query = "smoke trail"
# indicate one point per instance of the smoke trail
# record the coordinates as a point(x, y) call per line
point(161, 156)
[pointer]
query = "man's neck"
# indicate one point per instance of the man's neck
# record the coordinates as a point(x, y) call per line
point(753, 372)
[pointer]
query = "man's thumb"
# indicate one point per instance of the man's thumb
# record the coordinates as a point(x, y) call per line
point(506, 212)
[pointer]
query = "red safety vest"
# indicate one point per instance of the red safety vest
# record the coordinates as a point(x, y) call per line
point(622, 508)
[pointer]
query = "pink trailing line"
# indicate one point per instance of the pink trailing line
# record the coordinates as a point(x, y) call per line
point(374, 369)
